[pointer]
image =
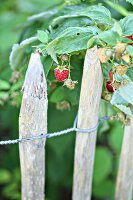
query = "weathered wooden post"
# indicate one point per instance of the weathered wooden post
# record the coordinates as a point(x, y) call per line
point(88, 114)
point(124, 186)
point(32, 122)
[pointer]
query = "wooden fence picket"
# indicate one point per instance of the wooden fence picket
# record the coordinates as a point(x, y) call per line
point(33, 121)
point(88, 115)
point(124, 186)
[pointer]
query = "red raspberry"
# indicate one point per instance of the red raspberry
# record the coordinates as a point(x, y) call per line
point(130, 37)
point(61, 74)
point(111, 74)
point(109, 86)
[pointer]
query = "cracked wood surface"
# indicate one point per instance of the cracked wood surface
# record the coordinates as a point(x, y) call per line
point(124, 186)
point(88, 114)
point(33, 121)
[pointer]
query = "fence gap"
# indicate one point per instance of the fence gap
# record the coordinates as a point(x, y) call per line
point(124, 186)
point(33, 121)
point(88, 115)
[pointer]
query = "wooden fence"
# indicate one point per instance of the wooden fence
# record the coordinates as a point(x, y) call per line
point(33, 120)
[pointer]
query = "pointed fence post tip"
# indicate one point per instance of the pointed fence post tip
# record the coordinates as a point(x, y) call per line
point(32, 122)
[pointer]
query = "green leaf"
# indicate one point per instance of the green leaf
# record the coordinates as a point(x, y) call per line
point(126, 40)
point(102, 164)
point(4, 85)
point(74, 39)
point(130, 73)
point(110, 37)
point(42, 36)
point(57, 95)
point(47, 64)
point(127, 92)
point(118, 101)
point(120, 78)
point(71, 40)
point(91, 41)
point(127, 25)
point(129, 49)
point(51, 50)
point(117, 28)
point(120, 9)
point(70, 22)
point(96, 13)
point(18, 51)
point(5, 176)
point(124, 109)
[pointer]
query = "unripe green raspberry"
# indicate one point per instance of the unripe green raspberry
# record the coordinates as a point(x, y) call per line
point(108, 52)
point(108, 97)
point(121, 116)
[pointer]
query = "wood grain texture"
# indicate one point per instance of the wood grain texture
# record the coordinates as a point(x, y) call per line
point(88, 114)
point(124, 186)
point(33, 121)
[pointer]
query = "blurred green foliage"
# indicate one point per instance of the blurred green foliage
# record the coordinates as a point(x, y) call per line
point(59, 151)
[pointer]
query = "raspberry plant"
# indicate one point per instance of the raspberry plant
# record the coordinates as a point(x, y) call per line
point(69, 32)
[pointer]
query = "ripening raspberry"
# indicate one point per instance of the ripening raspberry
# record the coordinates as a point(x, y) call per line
point(61, 74)
point(109, 86)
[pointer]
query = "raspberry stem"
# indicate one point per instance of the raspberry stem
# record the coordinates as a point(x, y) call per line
point(101, 42)
point(69, 68)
